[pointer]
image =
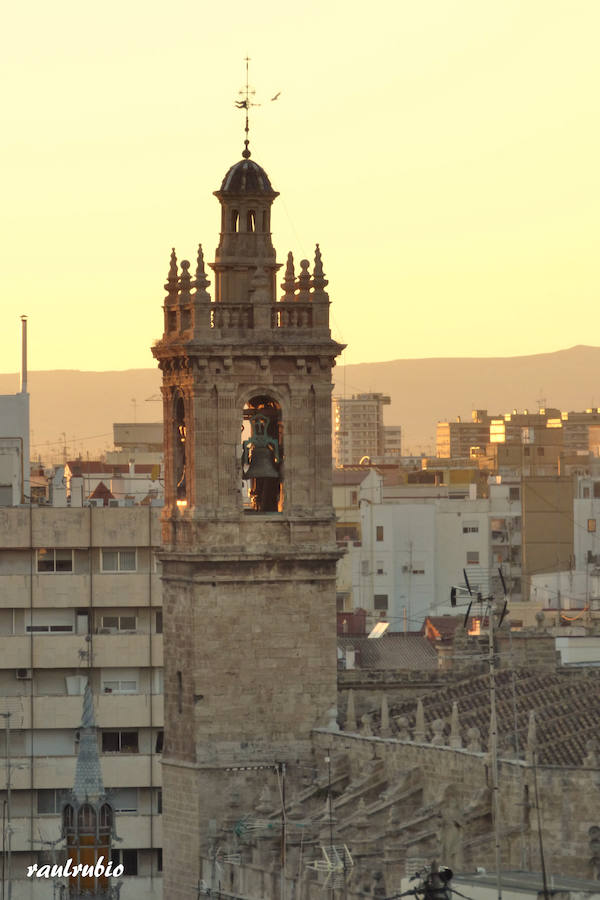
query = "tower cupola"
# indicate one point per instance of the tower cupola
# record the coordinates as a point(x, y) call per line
point(246, 196)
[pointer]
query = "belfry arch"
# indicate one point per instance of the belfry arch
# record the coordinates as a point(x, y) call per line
point(262, 455)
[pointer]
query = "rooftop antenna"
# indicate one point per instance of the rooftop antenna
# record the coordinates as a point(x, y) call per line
point(493, 747)
point(23, 354)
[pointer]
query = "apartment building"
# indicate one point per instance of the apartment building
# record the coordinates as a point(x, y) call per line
point(413, 547)
point(80, 602)
point(358, 429)
point(577, 430)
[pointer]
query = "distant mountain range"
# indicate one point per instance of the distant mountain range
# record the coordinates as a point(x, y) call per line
point(84, 405)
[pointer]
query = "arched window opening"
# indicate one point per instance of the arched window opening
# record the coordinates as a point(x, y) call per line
point(262, 455)
point(68, 816)
point(179, 451)
point(105, 816)
point(86, 818)
point(265, 220)
point(251, 220)
point(235, 220)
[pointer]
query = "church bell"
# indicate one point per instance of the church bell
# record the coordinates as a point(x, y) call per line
point(261, 464)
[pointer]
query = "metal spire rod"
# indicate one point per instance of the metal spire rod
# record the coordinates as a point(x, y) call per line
point(246, 93)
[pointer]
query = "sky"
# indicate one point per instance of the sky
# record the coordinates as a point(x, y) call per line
point(443, 154)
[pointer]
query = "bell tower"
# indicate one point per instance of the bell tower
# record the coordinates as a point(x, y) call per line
point(248, 527)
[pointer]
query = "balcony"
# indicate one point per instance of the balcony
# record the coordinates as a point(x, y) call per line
point(134, 830)
point(118, 770)
point(112, 649)
point(63, 711)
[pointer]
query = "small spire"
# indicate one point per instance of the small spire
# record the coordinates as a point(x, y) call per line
point(455, 738)
point(289, 282)
point(88, 775)
point(319, 281)
point(385, 717)
point(419, 735)
point(201, 282)
point(303, 283)
point(185, 281)
point(531, 738)
point(350, 710)
point(172, 280)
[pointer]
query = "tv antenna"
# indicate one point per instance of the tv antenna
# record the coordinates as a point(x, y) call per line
point(490, 609)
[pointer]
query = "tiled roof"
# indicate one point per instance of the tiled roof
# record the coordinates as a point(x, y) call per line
point(79, 467)
point(349, 476)
point(101, 492)
point(392, 651)
point(445, 625)
point(567, 711)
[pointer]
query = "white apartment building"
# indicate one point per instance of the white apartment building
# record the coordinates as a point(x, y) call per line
point(358, 429)
point(80, 599)
point(410, 552)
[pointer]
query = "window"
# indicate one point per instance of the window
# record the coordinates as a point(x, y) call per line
point(160, 738)
point(470, 528)
point(159, 863)
point(158, 795)
point(120, 742)
point(119, 623)
point(353, 498)
point(597, 489)
point(364, 567)
point(120, 681)
point(380, 601)
point(42, 621)
point(591, 526)
point(124, 800)
point(49, 560)
point(514, 493)
point(118, 561)
point(540, 451)
point(127, 859)
point(48, 628)
point(418, 570)
point(159, 622)
point(379, 567)
point(472, 557)
point(379, 533)
point(49, 802)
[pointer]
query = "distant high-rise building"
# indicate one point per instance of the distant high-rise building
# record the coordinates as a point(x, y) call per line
point(578, 430)
point(359, 430)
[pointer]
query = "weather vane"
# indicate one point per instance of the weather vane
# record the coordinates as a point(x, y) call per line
point(247, 94)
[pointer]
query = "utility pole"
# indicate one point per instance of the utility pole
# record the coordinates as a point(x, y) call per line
point(7, 829)
point(494, 748)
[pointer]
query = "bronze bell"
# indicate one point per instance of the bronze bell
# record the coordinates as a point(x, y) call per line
point(261, 464)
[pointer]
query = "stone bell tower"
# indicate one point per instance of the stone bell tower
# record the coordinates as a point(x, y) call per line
point(249, 551)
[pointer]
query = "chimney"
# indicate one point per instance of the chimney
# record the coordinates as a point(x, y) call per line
point(23, 354)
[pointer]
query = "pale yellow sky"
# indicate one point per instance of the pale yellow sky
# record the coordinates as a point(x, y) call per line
point(444, 154)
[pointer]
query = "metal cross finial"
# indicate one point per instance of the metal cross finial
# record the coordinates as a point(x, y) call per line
point(246, 93)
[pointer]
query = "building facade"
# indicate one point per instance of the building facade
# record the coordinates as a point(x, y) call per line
point(80, 604)
point(358, 429)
